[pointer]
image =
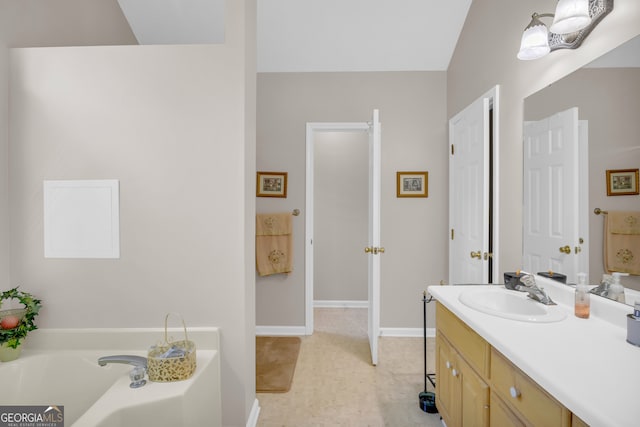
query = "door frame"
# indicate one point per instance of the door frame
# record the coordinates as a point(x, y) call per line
point(313, 127)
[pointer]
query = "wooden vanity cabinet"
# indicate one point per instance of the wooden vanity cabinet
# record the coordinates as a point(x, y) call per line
point(524, 396)
point(462, 396)
point(478, 386)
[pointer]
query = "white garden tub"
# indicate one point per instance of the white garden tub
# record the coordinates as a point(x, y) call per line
point(60, 367)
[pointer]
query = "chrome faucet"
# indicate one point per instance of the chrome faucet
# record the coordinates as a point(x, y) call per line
point(528, 284)
point(139, 367)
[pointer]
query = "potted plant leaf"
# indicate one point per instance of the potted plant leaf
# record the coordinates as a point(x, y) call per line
point(16, 323)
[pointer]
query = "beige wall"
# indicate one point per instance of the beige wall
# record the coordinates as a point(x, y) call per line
point(414, 231)
point(602, 97)
point(176, 126)
point(47, 23)
point(486, 56)
point(341, 199)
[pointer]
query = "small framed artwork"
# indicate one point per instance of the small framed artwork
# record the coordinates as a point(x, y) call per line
point(622, 182)
point(412, 184)
point(271, 184)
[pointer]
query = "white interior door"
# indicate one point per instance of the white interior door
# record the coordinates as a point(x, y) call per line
point(374, 249)
point(468, 194)
point(551, 188)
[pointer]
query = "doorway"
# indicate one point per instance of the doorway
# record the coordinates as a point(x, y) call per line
point(341, 176)
point(371, 250)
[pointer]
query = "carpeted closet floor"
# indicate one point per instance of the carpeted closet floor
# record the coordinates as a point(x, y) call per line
point(335, 384)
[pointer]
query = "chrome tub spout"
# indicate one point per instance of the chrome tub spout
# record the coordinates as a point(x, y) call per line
point(138, 372)
point(124, 358)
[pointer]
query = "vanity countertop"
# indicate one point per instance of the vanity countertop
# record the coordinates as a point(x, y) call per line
point(586, 364)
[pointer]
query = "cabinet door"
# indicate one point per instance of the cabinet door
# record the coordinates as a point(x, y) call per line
point(447, 388)
point(474, 397)
point(501, 415)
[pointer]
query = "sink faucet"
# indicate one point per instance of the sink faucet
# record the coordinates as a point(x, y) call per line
point(139, 367)
point(528, 284)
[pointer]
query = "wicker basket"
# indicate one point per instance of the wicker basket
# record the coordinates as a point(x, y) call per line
point(163, 367)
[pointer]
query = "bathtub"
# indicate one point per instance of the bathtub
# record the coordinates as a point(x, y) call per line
point(59, 367)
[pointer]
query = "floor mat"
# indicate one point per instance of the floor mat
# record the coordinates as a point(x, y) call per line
point(276, 359)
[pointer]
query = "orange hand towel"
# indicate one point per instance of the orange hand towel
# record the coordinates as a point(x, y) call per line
point(275, 224)
point(622, 242)
point(274, 244)
point(624, 222)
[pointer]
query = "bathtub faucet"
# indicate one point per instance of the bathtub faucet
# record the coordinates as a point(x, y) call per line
point(139, 367)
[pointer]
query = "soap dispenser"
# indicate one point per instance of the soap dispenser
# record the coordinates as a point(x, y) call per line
point(616, 290)
point(583, 302)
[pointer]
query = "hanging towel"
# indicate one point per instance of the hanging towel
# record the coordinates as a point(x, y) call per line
point(274, 244)
point(622, 242)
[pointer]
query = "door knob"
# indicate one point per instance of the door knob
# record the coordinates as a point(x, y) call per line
point(476, 254)
point(488, 255)
point(381, 250)
point(368, 249)
point(565, 249)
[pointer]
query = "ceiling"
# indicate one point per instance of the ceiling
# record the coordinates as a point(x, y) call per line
point(317, 35)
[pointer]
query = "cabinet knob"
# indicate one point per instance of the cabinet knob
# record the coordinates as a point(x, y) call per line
point(515, 393)
point(454, 373)
point(448, 365)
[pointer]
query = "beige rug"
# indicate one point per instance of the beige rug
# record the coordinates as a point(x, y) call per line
point(276, 359)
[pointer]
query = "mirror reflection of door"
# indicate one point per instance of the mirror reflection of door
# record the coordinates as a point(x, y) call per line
point(554, 225)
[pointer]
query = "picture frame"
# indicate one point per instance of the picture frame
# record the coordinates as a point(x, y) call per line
point(412, 184)
point(622, 182)
point(271, 184)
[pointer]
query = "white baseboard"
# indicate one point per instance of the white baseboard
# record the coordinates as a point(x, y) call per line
point(301, 331)
point(407, 332)
point(340, 304)
point(253, 415)
point(281, 330)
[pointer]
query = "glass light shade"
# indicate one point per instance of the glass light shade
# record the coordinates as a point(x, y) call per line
point(570, 16)
point(535, 41)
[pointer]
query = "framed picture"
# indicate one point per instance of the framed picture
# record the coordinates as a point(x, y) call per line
point(412, 184)
point(622, 182)
point(271, 184)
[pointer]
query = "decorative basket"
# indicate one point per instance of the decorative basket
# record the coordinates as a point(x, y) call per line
point(172, 360)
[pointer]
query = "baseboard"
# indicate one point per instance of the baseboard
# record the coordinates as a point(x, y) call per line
point(340, 304)
point(407, 332)
point(253, 415)
point(301, 331)
point(281, 330)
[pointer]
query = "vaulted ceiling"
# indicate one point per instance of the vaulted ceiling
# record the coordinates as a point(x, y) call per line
point(317, 35)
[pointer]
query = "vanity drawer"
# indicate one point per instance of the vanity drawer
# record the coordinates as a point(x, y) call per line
point(471, 346)
point(523, 395)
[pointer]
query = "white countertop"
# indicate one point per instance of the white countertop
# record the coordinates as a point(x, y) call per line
point(586, 364)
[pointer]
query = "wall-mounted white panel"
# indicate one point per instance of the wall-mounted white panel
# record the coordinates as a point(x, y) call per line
point(81, 219)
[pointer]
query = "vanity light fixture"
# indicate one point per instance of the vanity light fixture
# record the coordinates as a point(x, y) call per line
point(572, 23)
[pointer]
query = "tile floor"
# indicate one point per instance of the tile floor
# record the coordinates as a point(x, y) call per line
point(336, 385)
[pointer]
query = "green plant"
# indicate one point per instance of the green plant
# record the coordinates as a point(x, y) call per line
point(32, 306)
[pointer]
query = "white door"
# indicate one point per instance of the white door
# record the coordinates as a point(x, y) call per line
point(551, 204)
point(468, 194)
point(374, 249)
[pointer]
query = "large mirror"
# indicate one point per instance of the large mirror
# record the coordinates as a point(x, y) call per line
point(605, 97)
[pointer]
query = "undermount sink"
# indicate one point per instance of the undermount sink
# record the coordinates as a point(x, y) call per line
point(511, 305)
